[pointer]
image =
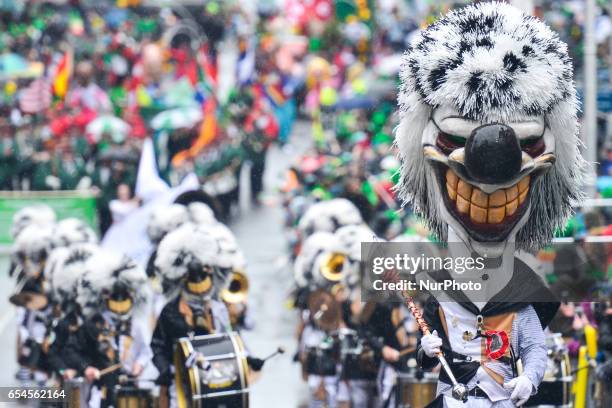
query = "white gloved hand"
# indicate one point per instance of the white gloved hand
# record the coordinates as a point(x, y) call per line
point(521, 388)
point(431, 344)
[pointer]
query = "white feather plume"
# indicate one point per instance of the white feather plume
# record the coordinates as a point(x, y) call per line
point(38, 214)
point(72, 231)
point(165, 219)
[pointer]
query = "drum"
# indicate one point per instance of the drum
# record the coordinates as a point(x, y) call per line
point(132, 397)
point(76, 392)
point(356, 358)
point(322, 358)
point(211, 371)
point(416, 391)
point(556, 386)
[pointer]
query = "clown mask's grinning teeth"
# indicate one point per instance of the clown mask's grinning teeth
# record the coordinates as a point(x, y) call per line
point(483, 208)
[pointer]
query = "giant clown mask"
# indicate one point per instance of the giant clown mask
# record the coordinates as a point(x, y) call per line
point(488, 132)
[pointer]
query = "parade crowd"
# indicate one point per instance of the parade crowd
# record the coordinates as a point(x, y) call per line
point(88, 90)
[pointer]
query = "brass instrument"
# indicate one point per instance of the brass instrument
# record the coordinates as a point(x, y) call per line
point(333, 266)
point(237, 290)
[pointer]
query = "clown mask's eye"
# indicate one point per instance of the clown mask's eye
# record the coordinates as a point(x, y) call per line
point(448, 142)
point(533, 146)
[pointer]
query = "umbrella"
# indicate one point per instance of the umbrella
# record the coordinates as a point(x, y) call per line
point(117, 128)
point(179, 118)
point(15, 66)
point(359, 102)
point(114, 154)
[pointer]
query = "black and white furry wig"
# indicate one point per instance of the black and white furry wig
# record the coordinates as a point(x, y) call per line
point(491, 63)
point(328, 216)
point(351, 237)
point(103, 270)
point(165, 219)
point(38, 214)
point(32, 247)
point(71, 231)
point(230, 253)
point(200, 213)
point(65, 267)
point(308, 263)
point(179, 248)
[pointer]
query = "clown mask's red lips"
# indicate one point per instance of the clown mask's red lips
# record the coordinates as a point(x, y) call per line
point(482, 212)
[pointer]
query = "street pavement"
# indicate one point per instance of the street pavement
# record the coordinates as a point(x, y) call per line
point(270, 272)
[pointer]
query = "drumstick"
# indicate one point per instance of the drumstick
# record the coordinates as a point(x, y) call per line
point(320, 312)
point(109, 369)
point(279, 350)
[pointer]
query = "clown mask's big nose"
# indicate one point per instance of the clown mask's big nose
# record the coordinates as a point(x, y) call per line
point(493, 154)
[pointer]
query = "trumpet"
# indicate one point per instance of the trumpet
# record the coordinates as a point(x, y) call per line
point(237, 289)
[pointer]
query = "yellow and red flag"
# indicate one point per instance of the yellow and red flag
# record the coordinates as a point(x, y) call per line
point(61, 81)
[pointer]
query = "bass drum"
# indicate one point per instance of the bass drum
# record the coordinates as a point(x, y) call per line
point(416, 391)
point(556, 387)
point(211, 371)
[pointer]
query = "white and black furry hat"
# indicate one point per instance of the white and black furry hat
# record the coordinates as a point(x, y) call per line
point(491, 63)
point(103, 271)
point(311, 258)
point(65, 267)
point(38, 214)
point(32, 247)
point(351, 237)
point(72, 231)
point(179, 248)
point(328, 216)
point(201, 213)
point(165, 219)
point(230, 253)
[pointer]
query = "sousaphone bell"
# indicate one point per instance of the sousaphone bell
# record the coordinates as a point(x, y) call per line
point(237, 290)
point(332, 267)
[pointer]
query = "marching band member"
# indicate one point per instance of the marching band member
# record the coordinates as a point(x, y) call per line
point(114, 339)
point(65, 269)
point(187, 261)
point(491, 160)
point(386, 329)
point(29, 253)
point(319, 270)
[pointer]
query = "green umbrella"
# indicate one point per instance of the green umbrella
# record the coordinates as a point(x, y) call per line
point(179, 118)
point(115, 127)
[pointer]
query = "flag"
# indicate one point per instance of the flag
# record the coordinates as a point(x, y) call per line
point(245, 66)
point(129, 236)
point(36, 97)
point(63, 73)
point(149, 184)
point(207, 133)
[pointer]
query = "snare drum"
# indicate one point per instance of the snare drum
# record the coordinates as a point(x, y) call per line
point(132, 397)
point(357, 360)
point(217, 376)
point(321, 359)
point(555, 389)
point(416, 392)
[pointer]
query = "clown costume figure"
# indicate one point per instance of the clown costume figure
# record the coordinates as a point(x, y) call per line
point(490, 159)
